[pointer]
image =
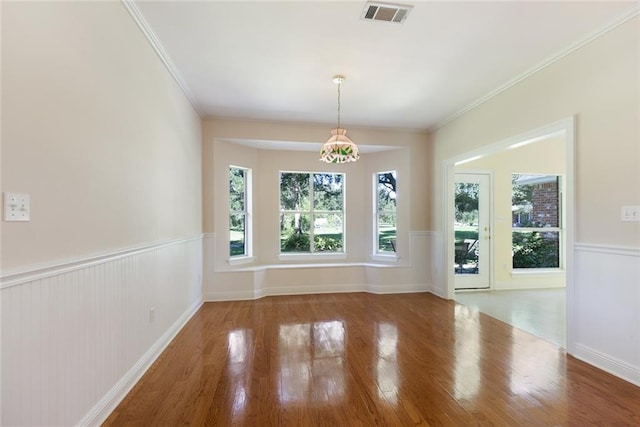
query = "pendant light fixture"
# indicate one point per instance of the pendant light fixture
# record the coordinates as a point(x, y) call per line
point(339, 148)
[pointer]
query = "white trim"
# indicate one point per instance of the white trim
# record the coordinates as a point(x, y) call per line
point(266, 267)
point(250, 295)
point(303, 289)
point(607, 249)
point(613, 366)
point(536, 271)
point(381, 257)
point(101, 410)
point(217, 296)
point(139, 19)
point(630, 14)
point(398, 288)
point(37, 272)
point(557, 128)
point(241, 260)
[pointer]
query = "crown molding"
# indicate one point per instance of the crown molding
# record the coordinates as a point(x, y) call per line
point(630, 14)
point(160, 51)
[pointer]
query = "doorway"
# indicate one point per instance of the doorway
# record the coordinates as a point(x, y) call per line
point(472, 231)
point(502, 277)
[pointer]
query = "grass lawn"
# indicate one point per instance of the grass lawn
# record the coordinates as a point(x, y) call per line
point(463, 232)
point(387, 234)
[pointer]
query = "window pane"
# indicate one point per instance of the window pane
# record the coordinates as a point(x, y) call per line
point(466, 206)
point(237, 232)
point(386, 232)
point(535, 200)
point(327, 233)
point(534, 249)
point(294, 191)
point(236, 189)
point(327, 191)
point(387, 191)
point(294, 232)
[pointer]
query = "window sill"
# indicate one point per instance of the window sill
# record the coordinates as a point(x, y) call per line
point(385, 257)
point(315, 256)
point(525, 271)
point(241, 260)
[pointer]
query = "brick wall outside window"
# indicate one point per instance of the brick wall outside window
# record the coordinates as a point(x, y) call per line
point(545, 205)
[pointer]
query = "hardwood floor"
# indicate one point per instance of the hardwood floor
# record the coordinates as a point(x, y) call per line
point(361, 359)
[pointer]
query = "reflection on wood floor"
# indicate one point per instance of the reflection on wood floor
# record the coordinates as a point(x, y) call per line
point(362, 359)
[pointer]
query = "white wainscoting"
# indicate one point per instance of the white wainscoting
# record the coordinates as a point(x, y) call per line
point(606, 298)
point(251, 281)
point(437, 259)
point(78, 335)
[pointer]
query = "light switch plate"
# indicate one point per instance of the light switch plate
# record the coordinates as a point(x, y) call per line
point(16, 207)
point(630, 213)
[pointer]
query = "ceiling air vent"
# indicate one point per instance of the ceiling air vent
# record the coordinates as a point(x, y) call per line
point(386, 12)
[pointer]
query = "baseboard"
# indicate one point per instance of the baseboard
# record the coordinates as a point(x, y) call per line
point(398, 289)
point(606, 363)
point(219, 296)
point(309, 290)
point(431, 288)
point(105, 406)
point(215, 296)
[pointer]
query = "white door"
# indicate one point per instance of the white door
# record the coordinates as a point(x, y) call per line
point(472, 233)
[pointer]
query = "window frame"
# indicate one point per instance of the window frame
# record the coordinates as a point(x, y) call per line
point(247, 256)
point(560, 229)
point(312, 212)
point(378, 254)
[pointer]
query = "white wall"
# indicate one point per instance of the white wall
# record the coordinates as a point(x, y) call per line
point(221, 149)
point(599, 84)
point(98, 133)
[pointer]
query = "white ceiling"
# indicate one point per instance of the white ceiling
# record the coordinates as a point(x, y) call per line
point(275, 61)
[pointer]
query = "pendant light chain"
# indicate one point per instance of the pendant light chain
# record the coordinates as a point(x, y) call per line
point(339, 84)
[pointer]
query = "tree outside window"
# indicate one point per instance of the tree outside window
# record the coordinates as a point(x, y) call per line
point(311, 212)
point(238, 212)
point(386, 216)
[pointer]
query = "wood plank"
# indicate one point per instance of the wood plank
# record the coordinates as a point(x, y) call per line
point(364, 360)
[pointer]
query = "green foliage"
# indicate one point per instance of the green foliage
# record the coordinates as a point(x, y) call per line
point(294, 191)
point(466, 201)
point(387, 191)
point(328, 243)
point(533, 250)
point(296, 243)
point(236, 189)
point(520, 194)
point(236, 247)
point(327, 191)
point(462, 235)
point(384, 240)
point(296, 225)
point(291, 223)
point(237, 183)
